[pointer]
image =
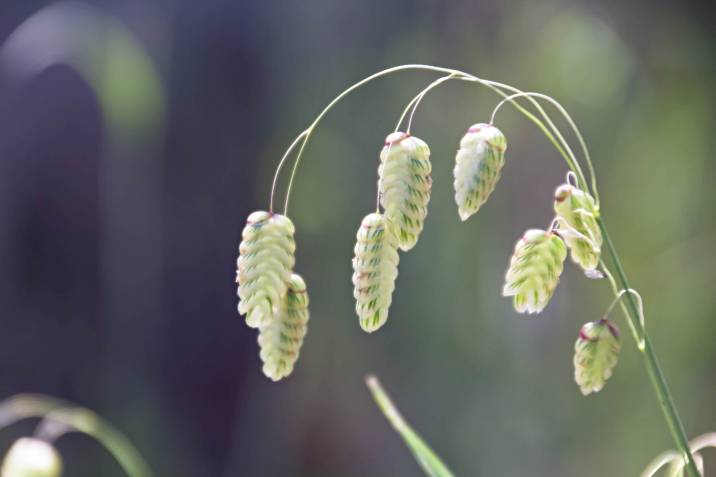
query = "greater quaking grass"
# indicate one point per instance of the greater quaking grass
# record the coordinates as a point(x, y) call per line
point(578, 229)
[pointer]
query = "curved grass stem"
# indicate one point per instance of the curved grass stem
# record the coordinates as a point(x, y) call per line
point(636, 334)
point(549, 130)
point(419, 97)
point(422, 95)
point(285, 157)
point(73, 418)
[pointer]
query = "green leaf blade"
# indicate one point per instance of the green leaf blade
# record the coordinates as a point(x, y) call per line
point(431, 464)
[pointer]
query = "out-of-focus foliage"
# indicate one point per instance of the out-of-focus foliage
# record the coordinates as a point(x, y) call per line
point(136, 317)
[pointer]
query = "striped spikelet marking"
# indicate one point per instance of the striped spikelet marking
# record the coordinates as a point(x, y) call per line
point(405, 182)
point(595, 355)
point(375, 268)
point(281, 340)
point(478, 165)
point(534, 271)
point(580, 212)
point(264, 266)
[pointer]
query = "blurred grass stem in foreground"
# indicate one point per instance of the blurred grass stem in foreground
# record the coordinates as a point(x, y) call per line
point(60, 417)
point(424, 455)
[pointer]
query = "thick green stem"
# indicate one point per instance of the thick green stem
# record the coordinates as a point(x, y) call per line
point(656, 376)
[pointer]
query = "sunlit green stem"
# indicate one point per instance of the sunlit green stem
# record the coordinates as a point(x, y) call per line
point(656, 376)
point(431, 464)
point(25, 406)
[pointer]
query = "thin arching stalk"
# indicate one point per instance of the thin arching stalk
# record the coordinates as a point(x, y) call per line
point(495, 86)
point(636, 333)
point(550, 130)
point(285, 157)
point(571, 123)
point(418, 97)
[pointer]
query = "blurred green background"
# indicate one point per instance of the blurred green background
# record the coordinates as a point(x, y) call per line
point(126, 178)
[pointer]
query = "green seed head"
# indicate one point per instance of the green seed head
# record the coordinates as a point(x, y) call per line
point(264, 266)
point(578, 211)
point(30, 457)
point(281, 340)
point(478, 165)
point(535, 268)
point(375, 268)
point(405, 183)
point(595, 355)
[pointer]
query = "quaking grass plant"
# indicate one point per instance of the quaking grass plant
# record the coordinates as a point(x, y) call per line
point(272, 302)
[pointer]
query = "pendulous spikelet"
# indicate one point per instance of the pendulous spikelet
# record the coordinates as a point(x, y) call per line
point(281, 340)
point(478, 165)
point(579, 212)
point(375, 268)
point(534, 271)
point(595, 355)
point(405, 182)
point(264, 266)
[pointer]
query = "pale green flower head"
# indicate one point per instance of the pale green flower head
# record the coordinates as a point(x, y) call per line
point(405, 184)
point(30, 457)
point(281, 340)
point(375, 268)
point(595, 355)
point(535, 268)
point(478, 165)
point(266, 258)
point(578, 212)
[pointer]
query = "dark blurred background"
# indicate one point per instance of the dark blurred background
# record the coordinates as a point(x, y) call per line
point(135, 138)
